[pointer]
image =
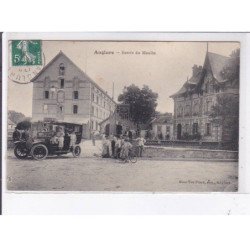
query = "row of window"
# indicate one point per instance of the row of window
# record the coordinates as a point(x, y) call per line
point(52, 109)
point(187, 110)
point(195, 128)
point(48, 85)
point(96, 112)
point(75, 94)
point(99, 112)
point(101, 101)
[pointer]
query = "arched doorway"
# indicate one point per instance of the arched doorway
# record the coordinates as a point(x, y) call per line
point(107, 129)
point(179, 128)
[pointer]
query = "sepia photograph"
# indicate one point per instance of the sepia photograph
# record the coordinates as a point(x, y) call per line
point(123, 116)
point(135, 110)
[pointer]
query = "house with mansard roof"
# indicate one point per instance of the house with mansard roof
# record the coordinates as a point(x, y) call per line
point(195, 100)
point(63, 91)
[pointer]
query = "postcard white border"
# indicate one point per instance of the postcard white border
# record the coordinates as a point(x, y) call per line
point(137, 203)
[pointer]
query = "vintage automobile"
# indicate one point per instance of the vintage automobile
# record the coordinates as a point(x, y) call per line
point(48, 138)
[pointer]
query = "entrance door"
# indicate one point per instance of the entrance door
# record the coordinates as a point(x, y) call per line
point(118, 129)
point(178, 131)
point(107, 129)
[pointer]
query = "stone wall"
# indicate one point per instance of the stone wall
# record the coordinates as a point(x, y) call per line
point(182, 153)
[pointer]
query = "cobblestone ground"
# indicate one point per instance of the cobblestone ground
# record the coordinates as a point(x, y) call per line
point(92, 173)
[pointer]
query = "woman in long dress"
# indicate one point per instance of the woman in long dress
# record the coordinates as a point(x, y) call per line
point(60, 135)
point(106, 145)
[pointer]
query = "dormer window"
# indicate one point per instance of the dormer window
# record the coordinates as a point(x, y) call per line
point(61, 69)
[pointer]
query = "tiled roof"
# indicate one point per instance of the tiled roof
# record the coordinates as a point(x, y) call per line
point(187, 85)
point(216, 62)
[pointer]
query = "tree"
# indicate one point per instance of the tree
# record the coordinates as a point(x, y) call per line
point(19, 118)
point(23, 125)
point(232, 70)
point(143, 102)
point(16, 116)
point(225, 113)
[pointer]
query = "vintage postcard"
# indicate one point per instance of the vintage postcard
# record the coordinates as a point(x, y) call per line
point(122, 116)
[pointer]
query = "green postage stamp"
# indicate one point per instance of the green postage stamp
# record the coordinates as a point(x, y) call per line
point(26, 52)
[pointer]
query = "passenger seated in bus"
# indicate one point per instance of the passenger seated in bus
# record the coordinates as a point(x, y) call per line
point(72, 139)
point(58, 137)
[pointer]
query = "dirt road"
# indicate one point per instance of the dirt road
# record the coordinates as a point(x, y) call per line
point(96, 174)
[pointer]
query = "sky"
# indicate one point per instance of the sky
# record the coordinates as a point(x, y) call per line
point(164, 68)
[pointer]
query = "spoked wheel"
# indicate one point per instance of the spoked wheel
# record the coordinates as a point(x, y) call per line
point(76, 151)
point(21, 151)
point(132, 157)
point(39, 152)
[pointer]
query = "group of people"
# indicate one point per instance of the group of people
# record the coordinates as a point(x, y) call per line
point(119, 147)
point(59, 137)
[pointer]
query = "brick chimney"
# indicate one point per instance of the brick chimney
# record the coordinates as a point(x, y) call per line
point(196, 70)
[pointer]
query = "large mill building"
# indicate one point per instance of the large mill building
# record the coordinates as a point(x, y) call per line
point(62, 91)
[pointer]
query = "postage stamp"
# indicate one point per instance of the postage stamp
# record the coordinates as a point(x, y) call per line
point(26, 52)
point(26, 59)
